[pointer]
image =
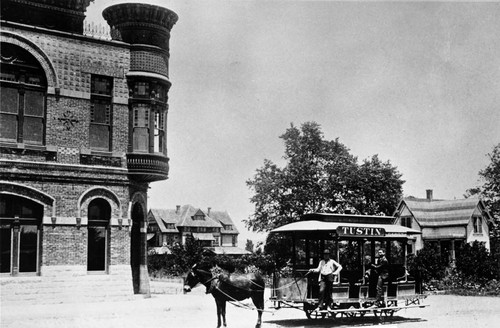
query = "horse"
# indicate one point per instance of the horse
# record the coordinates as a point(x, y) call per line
point(224, 287)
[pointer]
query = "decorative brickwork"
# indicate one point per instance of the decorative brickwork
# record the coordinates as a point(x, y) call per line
point(100, 160)
point(68, 155)
point(97, 192)
point(35, 50)
point(149, 61)
point(71, 61)
point(38, 196)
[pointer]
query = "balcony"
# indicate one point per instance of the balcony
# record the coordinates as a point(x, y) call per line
point(145, 167)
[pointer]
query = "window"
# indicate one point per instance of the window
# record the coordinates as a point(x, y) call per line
point(159, 137)
point(478, 226)
point(149, 110)
point(198, 217)
point(141, 127)
point(100, 113)
point(23, 92)
point(202, 229)
point(406, 221)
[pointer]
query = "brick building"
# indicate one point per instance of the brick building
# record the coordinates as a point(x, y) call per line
point(82, 134)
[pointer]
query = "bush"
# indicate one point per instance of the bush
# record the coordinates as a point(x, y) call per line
point(458, 284)
point(427, 265)
point(475, 273)
point(182, 258)
point(178, 262)
point(476, 264)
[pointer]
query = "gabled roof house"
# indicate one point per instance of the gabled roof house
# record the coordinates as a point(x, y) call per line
point(215, 230)
point(445, 222)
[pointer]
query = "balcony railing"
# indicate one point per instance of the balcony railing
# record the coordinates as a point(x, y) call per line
point(147, 167)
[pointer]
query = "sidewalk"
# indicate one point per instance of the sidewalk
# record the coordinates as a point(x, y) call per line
point(192, 310)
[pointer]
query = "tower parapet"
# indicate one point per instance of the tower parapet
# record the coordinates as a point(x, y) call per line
point(141, 23)
point(62, 15)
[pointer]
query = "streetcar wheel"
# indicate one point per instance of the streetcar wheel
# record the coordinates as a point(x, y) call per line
point(311, 312)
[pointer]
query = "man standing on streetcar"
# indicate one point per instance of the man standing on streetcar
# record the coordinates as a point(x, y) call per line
point(327, 268)
point(382, 270)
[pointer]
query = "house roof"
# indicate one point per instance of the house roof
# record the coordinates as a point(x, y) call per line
point(184, 218)
point(163, 216)
point(224, 218)
point(443, 212)
point(187, 213)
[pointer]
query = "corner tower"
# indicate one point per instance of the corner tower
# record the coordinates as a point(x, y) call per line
point(146, 28)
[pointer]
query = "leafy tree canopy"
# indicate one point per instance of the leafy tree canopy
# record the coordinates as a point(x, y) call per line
point(320, 176)
point(490, 190)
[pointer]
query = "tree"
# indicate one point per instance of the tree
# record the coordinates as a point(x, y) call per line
point(249, 246)
point(490, 190)
point(320, 176)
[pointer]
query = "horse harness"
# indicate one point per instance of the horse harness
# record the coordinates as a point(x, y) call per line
point(216, 279)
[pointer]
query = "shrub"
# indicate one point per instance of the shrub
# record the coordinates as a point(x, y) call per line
point(476, 264)
point(182, 258)
point(427, 265)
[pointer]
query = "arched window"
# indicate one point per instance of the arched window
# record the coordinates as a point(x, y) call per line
point(23, 93)
point(99, 214)
point(20, 224)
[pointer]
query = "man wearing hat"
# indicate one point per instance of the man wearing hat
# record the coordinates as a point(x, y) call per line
point(327, 268)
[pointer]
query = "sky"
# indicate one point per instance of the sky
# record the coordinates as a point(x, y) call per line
point(417, 83)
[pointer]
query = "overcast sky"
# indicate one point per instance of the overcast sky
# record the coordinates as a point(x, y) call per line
point(417, 83)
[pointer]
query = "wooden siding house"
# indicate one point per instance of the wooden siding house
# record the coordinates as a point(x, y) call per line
point(447, 223)
point(215, 230)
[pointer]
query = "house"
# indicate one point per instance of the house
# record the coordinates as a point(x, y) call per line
point(215, 230)
point(82, 135)
point(445, 223)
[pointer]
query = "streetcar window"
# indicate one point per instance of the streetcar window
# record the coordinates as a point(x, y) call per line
point(397, 255)
point(300, 253)
point(349, 253)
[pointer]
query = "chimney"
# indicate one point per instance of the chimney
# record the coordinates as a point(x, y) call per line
point(208, 211)
point(429, 195)
point(177, 209)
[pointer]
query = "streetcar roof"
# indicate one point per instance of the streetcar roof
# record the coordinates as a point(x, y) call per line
point(316, 225)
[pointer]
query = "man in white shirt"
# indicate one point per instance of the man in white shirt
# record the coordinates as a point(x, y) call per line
point(327, 268)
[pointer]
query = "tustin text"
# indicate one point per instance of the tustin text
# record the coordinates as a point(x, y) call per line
point(360, 231)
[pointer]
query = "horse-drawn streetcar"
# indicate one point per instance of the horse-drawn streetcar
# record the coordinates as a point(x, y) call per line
point(354, 240)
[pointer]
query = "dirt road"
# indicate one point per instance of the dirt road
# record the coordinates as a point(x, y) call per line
point(198, 310)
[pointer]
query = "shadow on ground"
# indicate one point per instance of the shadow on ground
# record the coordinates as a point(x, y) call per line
point(341, 322)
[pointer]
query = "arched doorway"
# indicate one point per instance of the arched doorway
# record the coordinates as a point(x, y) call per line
point(138, 251)
point(20, 226)
point(99, 214)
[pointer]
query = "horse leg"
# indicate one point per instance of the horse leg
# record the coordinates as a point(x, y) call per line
point(258, 301)
point(223, 306)
point(219, 312)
